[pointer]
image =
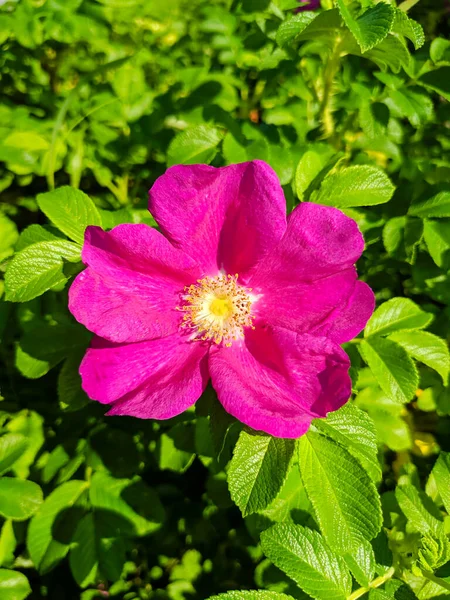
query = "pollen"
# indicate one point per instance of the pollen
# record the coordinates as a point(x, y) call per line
point(217, 309)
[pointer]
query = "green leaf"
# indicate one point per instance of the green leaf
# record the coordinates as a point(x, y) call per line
point(70, 210)
point(251, 595)
point(8, 543)
point(393, 234)
point(374, 118)
point(419, 509)
point(258, 470)
point(391, 52)
point(396, 314)
point(13, 585)
point(344, 498)
point(19, 499)
point(70, 394)
point(404, 25)
point(38, 268)
point(12, 446)
point(437, 238)
point(436, 206)
point(83, 558)
point(391, 366)
point(195, 145)
point(426, 347)
point(125, 507)
point(360, 185)
point(291, 28)
point(8, 236)
point(441, 476)
point(37, 233)
point(413, 104)
point(310, 166)
point(46, 551)
point(370, 28)
point(434, 551)
point(438, 81)
point(353, 429)
point(176, 448)
point(440, 50)
point(310, 26)
point(362, 563)
point(306, 558)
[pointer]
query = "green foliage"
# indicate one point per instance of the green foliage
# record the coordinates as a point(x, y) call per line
point(348, 103)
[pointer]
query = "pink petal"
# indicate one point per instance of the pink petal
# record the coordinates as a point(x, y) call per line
point(303, 306)
point(308, 279)
point(277, 380)
point(227, 217)
point(131, 288)
point(345, 322)
point(156, 379)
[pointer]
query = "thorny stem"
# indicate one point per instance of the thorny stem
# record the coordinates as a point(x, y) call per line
point(329, 74)
point(375, 583)
point(432, 577)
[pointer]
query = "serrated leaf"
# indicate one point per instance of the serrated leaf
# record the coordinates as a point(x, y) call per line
point(392, 367)
point(441, 475)
point(195, 145)
point(309, 166)
point(406, 26)
point(437, 238)
point(419, 509)
point(45, 551)
point(258, 470)
point(38, 268)
point(393, 234)
point(438, 81)
point(374, 118)
point(359, 185)
point(355, 431)
point(13, 585)
point(19, 499)
point(83, 558)
point(70, 210)
point(370, 28)
point(436, 206)
point(291, 28)
point(413, 104)
point(391, 52)
point(12, 446)
point(362, 563)
point(37, 233)
point(396, 314)
point(306, 558)
point(344, 498)
point(310, 25)
point(427, 348)
point(125, 507)
point(251, 595)
point(8, 543)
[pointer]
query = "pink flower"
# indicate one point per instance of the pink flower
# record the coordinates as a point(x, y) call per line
point(230, 290)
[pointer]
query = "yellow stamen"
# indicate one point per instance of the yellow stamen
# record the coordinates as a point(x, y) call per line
point(217, 309)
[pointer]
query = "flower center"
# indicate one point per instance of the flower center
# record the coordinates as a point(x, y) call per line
point(217, 309)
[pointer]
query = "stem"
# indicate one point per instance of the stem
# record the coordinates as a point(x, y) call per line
point(407, 4)
point(375, 583)
point(432, 577)
point(329, 74)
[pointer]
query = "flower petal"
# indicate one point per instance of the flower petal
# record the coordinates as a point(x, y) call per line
point(277, 381)
point(227, 217)
point(130, 290)
point(303, 306)
point(345, 322)
point(319, 241)
point(310, 274)
point(156, 379)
